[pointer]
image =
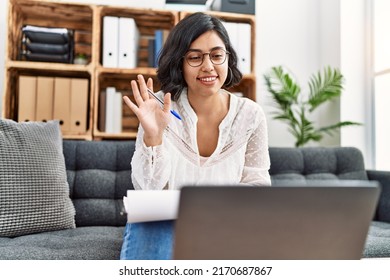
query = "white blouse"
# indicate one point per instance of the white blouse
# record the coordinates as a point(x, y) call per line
point(241, 155)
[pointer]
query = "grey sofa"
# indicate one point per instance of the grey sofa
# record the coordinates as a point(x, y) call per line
point(339, 163)
point(99, 176)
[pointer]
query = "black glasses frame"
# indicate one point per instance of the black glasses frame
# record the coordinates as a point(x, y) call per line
point(203, 54)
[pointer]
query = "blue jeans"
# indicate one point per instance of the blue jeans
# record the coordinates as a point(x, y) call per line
point(148, 241)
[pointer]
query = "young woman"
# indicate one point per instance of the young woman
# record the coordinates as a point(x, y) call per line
point(220, 138)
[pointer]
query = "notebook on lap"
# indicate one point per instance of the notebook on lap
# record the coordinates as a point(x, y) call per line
point(322, 221)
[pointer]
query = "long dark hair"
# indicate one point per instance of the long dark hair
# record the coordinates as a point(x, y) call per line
point(170, 62)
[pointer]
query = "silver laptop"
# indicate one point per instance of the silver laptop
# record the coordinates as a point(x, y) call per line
point(322, 221)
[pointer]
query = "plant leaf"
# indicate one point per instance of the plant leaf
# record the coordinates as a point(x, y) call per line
point(332, 128)
point(285, 93)
point(324, 87)
point(283, 88)
point(307, 131)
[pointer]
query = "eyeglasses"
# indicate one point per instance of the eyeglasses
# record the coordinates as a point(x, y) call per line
point(195, 58)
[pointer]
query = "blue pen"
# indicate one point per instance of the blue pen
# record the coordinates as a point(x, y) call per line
point(173, 112)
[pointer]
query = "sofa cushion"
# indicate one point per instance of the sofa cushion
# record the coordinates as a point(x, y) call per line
point(34, 193)
point(84, 243)
point(378, 240)
point(316, 163)
point(99, 175)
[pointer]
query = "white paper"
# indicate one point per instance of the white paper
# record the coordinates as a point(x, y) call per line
point(147, 206)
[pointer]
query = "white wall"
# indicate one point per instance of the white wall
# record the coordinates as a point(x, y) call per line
point(356, 103)
point(305, 36)
point(302, 35)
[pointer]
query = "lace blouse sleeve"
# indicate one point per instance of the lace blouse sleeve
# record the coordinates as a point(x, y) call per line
point(150, 165)
point(257, 161)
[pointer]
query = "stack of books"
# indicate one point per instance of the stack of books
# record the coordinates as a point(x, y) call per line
point(47, 44)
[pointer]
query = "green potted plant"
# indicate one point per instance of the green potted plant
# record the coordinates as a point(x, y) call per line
point(293, 109)
point(80, 58)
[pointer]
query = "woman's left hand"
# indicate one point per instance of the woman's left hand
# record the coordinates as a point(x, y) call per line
point(152, 117)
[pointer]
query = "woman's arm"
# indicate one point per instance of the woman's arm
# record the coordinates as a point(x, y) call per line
point(151, 166)
point(257, 161)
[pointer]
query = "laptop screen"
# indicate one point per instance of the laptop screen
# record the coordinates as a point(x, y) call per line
point(326, 220)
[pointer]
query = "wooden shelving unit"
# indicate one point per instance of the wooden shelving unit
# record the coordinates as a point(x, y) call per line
point(47, 14)
point(147, 22)
point(88, 20)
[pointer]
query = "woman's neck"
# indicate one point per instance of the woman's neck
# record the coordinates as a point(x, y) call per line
point(209, 105)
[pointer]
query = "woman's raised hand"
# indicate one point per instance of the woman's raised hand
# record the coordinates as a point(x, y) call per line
point(151, 116)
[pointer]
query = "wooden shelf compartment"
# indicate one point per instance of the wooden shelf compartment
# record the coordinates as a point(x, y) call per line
point(76, 17)
point(120, 79)
point(147, 21)
point(11, 99)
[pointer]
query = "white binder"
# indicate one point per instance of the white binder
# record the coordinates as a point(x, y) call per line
point(244, 47)
point(110, 41)
point(118, 101)
point(110, 101)
point(231, 28)
point(128, 43)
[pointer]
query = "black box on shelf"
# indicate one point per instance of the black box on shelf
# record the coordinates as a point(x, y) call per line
point(60, 58)
point(234, 6)
point(46, 35)
point(47, 44)
point(47, 48)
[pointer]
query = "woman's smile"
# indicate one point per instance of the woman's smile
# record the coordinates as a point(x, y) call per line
point(208, 80)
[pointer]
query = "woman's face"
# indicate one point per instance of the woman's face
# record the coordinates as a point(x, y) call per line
point(205, 78)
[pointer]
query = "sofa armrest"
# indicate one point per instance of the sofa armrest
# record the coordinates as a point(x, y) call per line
point(383, 209)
